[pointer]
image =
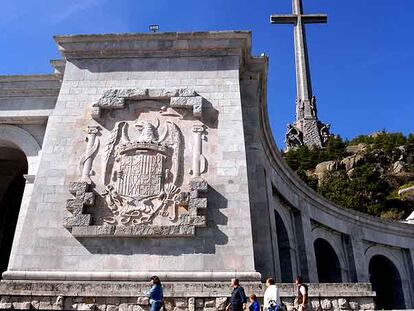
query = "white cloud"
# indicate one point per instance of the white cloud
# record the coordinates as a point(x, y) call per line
point(77, 7)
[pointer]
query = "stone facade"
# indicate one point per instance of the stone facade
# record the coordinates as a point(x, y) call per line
point(154, 155)
point(108, 296)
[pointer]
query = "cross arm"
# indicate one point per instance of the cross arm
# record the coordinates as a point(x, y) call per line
point(283, 19)
point(314, 18)
point(292, 18)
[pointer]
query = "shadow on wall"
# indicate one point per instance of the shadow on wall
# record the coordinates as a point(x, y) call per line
point(156, 64)
point(13, 165)
point(204, 242)
point(386, 282)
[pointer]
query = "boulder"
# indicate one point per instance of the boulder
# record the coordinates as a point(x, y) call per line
point(324, 167)
point(354, 149)
point(398, 167)
point(352, 161)
point(407, 193)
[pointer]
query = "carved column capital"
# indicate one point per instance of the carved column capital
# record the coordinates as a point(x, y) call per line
point(198, 128)
point(93, 129)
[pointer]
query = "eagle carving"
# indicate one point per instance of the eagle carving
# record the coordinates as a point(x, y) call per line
point(141, 172)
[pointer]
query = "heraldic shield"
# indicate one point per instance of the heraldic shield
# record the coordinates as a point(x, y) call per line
point(143, 172)
point(140, 173)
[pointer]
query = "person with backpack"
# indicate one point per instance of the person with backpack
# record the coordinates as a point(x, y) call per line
point(238, 297)
point(301, 300)
point(254, 304)
point(271, 296)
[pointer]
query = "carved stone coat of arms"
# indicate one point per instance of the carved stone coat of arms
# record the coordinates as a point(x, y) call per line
point(143, 172)
point(135, 180)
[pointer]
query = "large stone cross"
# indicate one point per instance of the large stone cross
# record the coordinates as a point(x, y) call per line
point(306, 122)
point(298, 19)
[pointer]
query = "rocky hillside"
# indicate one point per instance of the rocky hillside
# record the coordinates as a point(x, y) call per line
point(373, 174)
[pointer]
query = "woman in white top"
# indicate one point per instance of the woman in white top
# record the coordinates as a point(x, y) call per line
point(271, 296)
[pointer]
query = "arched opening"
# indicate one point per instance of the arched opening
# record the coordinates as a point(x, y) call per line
point(327, 262)
point(13, 165)
point(284, 250)
point(386, 282)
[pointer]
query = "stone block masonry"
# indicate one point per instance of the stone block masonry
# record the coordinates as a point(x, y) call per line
point(192, 296)
point(158, 158)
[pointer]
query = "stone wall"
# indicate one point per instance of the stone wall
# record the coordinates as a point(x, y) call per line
point(248, 180)
point(279, 199)
point(178, 296)
point(144, 68)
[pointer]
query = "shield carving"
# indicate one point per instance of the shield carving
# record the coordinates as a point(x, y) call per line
point(140, 175)
point(143, 167)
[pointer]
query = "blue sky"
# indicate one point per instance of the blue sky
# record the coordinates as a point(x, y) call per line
point(362, 61)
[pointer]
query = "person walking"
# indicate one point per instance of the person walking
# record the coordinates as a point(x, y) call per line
point(271, 296)
point(301, 300)
point(155, 294)
point(254, 304)
point(238, 297)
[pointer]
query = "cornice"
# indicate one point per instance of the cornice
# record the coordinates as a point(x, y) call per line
point(169, 44)
point(29, 92)
point(28, 78)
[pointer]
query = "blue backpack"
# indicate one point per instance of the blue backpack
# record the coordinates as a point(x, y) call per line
point(273, 306)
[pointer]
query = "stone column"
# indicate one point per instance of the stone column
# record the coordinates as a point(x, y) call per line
point(272, 202)
point(198, 129)
point(310, 250)
point(361, 265)
point(410, 268)
point(91, 147)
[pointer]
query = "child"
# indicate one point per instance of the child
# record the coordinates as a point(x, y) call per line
point(254, 304)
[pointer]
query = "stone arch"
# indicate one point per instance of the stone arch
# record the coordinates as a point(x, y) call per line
point(386, 282)
point(334, 241)
point(13, 167)
point(393, 271)
point(21, 154)
point(25, 141)
point(284, 242)
point(327, 262)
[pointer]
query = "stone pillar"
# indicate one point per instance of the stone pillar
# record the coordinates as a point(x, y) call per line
point(91, 147)
point(308, 244)
point(272, 202)
point(198, 129)
point(358, 253)
point(410, 277)
point(351, 275)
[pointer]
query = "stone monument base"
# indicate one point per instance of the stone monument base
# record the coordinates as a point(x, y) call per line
point(192, 296)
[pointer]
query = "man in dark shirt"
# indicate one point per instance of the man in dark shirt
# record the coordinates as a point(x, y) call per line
point(238, 297)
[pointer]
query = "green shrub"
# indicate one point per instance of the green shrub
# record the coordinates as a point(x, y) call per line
point(371, 188)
